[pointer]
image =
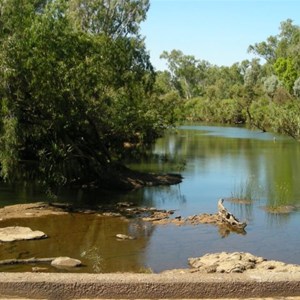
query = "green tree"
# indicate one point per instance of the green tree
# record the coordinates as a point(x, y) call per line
point(71, 95)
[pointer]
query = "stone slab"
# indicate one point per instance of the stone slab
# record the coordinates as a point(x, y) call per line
point(17, 233)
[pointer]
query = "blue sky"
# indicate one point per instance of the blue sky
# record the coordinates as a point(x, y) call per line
point(218, 31)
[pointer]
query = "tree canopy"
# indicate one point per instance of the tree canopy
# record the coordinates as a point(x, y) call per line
point(76, 84)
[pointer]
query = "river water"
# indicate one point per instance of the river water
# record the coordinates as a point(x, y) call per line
point(216, 162)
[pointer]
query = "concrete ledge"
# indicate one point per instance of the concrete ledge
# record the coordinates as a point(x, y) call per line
point(148, 286)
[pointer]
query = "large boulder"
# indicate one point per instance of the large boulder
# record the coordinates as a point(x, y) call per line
point(17, 233)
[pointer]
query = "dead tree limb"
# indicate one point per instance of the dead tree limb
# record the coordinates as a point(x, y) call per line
point(228, 218)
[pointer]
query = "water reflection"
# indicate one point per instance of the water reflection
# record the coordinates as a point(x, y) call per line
point(90, 238)
point(225, 231)
point(233, 155)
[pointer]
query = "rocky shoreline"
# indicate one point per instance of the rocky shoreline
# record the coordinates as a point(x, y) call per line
point(125, 210)
point(237, 262)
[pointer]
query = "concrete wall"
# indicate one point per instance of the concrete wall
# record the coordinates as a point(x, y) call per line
point(148, 286)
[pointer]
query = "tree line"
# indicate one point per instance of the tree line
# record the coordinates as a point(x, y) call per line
point(263, 92)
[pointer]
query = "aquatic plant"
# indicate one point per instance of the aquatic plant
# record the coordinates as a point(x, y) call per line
point(280, 199)
point(95, 257)
point(245, 191)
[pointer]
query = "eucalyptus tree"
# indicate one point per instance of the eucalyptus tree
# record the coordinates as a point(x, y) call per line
point(187, 72)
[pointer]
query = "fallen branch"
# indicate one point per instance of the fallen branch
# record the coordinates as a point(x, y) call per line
point(228, 218)
point(32, 260)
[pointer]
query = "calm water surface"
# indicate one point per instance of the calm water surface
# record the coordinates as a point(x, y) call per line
point(215, 162)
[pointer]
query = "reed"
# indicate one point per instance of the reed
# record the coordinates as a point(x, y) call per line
point(246, 191)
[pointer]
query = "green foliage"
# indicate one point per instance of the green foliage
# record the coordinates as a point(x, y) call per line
point(187, 73)
point(281, 196)
point(8, 154)
point(224, 111)
point(270, 85)
point(261, 113)
point(114, 18)
point(286, 119)
point(72, 95)
point(282, 45)
point(267, 49)
point(286, 71)
point(163, 83)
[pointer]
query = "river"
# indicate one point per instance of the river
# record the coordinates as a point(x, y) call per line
point(216, 162)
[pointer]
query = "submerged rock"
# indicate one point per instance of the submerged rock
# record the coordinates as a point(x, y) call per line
point(121, 236)
point(17, 233)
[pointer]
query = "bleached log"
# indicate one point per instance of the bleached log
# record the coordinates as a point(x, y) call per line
point(228, 218)
point(32, 260)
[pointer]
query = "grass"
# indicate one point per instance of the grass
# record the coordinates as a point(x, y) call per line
point(246, 191)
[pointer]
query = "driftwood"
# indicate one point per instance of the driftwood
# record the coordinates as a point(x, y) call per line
point(228, 218)
point(32, 260)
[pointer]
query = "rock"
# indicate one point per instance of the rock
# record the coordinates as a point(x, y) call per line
point(121, 236)
point(224, 262)
point(238, 262)
point(157, 216)
point(111, 214)
point(17, 233)
point(66, 262)
point(204, 219)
